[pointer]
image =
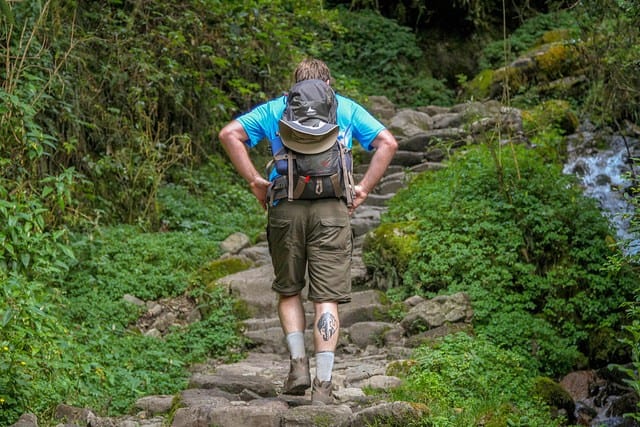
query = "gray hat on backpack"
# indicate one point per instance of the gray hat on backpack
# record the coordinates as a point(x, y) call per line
point(309, 124)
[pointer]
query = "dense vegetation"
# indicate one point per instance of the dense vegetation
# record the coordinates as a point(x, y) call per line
point(109, 112)
point(519, 239)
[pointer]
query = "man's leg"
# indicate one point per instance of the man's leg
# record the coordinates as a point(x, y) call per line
point(326, 329)
point(329, 249)
point(291, 313)
point(286, 237)
point(292, 320)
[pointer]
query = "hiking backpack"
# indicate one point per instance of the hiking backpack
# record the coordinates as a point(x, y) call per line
point(313, 161)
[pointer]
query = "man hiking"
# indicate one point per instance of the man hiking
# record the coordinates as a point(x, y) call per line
point(310, 194)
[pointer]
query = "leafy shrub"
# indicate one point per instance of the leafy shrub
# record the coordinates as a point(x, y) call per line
point(466, 381)
point(527, 246)
point(107, 370)
point(632, 340)
point(631, 337)
point(48, 357)
point(167, 78)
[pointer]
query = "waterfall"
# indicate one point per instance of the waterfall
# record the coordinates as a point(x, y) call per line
point(605, 175)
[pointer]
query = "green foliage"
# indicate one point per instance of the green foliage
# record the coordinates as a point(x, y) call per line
point(519, 237)
point(631, 336)
point(35, 46)
point(210, 200)
point(122, 260)
point(168, 77)
point(385, 58)
point(29, 79)
point(553, 113)
point(27, 246)
point(218, 334)
point(612, 37)
point(546, 124)
point(6, 12)
point(467, 381)
point(107, 370)
point(86, 352)
point(21, 94)
point(632, 339)
point(31, 345)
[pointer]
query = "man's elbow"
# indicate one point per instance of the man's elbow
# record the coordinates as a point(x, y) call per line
point(224, 136)
point(388, 141)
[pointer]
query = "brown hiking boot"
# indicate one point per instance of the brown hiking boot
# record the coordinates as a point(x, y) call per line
point(322, 392)
point(299, 379)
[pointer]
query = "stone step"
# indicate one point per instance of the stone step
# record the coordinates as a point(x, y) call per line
point(378, 200)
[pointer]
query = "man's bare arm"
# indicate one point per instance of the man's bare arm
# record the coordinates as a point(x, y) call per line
point(386, 146)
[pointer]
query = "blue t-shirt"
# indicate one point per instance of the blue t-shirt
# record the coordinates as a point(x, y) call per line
point(354, 121)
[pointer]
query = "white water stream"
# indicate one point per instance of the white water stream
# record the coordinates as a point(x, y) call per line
point(605, 175)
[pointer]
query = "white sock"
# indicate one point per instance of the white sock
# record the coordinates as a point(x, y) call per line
point(295, 342)
point(324, 365)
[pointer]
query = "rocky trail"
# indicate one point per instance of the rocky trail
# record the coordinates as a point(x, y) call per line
point(248, 392)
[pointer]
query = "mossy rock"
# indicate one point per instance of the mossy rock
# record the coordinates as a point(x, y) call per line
point(400, 368)
point(387, 251)
point(479, 87)
point(218, 268)
point(554, 395)
point(557, 35)
point(517, 78)
point(489, 84)
point(557, 60)
point(208, 275)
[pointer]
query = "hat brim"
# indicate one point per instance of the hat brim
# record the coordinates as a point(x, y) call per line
point(306, 139)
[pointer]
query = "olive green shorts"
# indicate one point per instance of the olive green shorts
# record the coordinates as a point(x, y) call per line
point(314, 237)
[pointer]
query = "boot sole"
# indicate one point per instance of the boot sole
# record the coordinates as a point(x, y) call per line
point(297, 390)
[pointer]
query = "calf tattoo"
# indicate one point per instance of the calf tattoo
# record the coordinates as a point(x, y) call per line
point(327, 325)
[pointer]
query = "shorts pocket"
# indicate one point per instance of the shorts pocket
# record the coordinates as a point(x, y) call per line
point(335, 234)
point(278, 231)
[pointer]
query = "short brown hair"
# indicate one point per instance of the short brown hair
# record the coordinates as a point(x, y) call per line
point(311, 69)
